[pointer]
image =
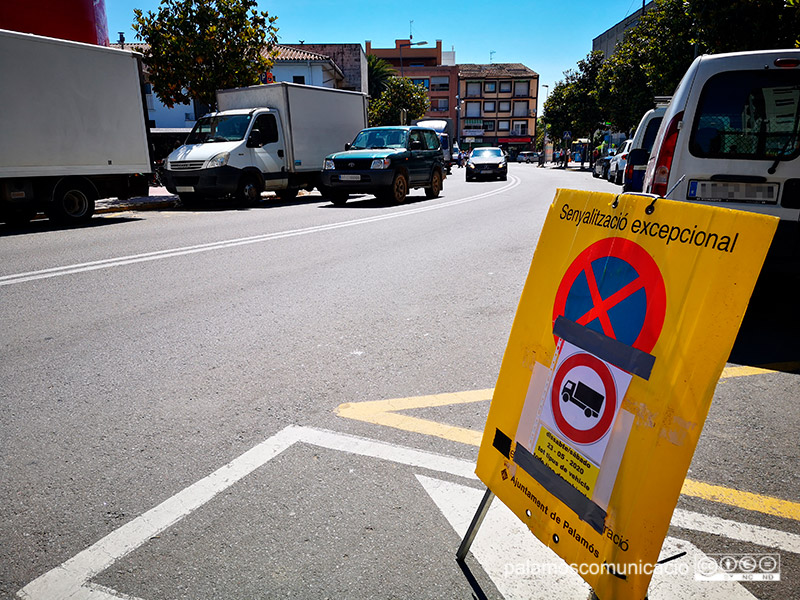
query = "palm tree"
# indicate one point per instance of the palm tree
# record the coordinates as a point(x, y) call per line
point(378, 74)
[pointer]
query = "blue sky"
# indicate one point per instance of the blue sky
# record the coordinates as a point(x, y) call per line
point(549, 37)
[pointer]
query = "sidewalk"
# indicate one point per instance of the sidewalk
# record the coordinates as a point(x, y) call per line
point(159, 198)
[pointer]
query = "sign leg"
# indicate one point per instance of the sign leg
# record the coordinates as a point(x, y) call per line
point(483, 508)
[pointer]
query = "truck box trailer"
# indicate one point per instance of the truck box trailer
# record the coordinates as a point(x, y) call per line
point(73, 127)
point(265, 137)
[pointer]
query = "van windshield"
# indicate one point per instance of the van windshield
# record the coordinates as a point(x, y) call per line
point(219, 128)
point(751, 115)
point(380, 138)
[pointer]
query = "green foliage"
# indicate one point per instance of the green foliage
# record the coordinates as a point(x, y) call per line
point(573, 105)
point(378, 74)
point(400, 93)
point(197, 47)
point(654, 55)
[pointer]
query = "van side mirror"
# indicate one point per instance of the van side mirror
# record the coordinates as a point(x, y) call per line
point(256, 139)
point(347, 146)
point(416, 145)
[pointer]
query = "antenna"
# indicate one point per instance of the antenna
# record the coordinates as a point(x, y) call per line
point(491, 56)
point(410, 33)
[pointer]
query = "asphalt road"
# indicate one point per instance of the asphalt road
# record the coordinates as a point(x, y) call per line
point(149, 349)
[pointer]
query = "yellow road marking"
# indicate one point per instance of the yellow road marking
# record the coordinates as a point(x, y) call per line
point(387, 413)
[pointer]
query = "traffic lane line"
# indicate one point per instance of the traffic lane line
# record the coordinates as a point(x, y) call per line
point(71, 579)
point(386, 413)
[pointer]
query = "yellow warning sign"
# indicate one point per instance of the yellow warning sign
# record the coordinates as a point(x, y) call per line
point(627, 317)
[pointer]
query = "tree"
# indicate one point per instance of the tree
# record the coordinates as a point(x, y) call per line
point(573, 105)
point(739, 25)
point(378, 74)
point(197, 47)
point(400, 93)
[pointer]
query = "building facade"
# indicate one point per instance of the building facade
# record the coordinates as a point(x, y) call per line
point(498, 106)
point(491, 105)
point(607, 41)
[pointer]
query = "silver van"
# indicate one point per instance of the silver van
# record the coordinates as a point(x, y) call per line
point(730, 136)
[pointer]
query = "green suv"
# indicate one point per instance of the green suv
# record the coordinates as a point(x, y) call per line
point(386, 162)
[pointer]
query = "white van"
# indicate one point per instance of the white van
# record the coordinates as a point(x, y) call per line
point(730, 136)
point(640, 149)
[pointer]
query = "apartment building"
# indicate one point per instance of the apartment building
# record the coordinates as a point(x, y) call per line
point(498, 106)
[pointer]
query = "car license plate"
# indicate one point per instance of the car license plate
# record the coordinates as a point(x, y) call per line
point(350, 177)
point(182, 189)
point(486, 171)
point(731, 191)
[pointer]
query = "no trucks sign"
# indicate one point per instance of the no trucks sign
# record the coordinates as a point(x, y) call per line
point(627, 317)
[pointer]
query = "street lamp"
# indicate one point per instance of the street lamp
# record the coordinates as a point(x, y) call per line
point(401, 46)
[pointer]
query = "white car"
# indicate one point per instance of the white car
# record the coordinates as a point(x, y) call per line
point(616, 166)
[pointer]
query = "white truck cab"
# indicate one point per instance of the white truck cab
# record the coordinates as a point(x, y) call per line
point(264, 138)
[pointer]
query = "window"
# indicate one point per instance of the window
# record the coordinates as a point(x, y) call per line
point(473, 109)
point(431, 140)
point(490, 87)
point(520, 108)
point(521, 88)
point(503, 125)
point(268, 127)
point(299, 79)
point(148, 90)
point(750, 115)
point(520, 127)
point(473, 89)
point(488, 125)
point(423, 82)
point(504, 106)
point(440, 104)
point(440, 84)
point(489, 107)
point(416, 136)
point(505, 87)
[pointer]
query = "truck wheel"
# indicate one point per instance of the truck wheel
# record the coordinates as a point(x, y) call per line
point(399, 189)
point(565, 396)
point(588, 413)
point(72, 203)
point(436, 185)
point(250, 189)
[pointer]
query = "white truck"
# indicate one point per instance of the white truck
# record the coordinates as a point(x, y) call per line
point(271, 137)
point(72, 127)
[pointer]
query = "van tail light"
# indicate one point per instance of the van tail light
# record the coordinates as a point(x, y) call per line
point(787, 63)
point(665, 156)
point(629, 171)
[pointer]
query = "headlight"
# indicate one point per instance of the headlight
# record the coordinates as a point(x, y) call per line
point(381, 163)
point(471, 165)
point(166, 164)
point(220, 160)
point(328, 165)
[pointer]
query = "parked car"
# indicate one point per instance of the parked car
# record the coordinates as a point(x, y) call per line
point(487, 162)
point(601, 165)
point(528, 157)
point(730, 137)
point(640, 149)
point(386, 162)
point(616, 166)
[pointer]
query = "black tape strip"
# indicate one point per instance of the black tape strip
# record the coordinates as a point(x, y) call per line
point(586, 510)
point(625, 357)
point(503, 443)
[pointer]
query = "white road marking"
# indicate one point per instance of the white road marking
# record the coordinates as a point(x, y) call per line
point(71, 579)
point(522, 567)
point(753, 534)
point(255, 239)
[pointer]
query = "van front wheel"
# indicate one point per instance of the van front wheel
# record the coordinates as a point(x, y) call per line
point(249, 190)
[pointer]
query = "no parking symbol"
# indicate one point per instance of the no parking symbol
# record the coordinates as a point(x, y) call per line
point(584, 399)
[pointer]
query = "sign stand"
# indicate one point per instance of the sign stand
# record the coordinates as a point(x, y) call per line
point(472, 530)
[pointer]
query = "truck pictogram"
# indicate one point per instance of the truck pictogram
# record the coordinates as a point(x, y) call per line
point(583, 396)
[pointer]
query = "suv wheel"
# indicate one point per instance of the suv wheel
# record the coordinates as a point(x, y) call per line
point(399, 189)
point(436, 185)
